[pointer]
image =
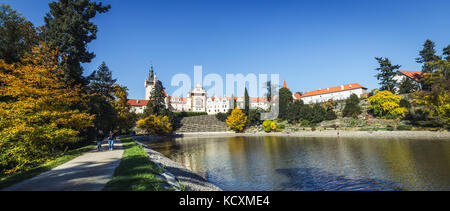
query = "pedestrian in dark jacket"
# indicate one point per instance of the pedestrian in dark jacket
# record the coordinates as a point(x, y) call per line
point(100, 137)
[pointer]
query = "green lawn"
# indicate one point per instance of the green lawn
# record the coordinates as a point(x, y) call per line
point(135, 172)
point(9, 180)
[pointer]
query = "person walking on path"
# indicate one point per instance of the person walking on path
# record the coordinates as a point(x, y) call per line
point(111, 138)
point(100, 137)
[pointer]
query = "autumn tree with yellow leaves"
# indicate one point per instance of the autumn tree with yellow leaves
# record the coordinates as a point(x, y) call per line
point(237, 120)
point(37, 115)
point(385, 104)
point(156, 125)
point(126, 119)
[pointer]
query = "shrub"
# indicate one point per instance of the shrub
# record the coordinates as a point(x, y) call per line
point(273, 126)
point(222, 117)
point(386, 105)
point(189, 114)
point(237, 120)
point(352, 108)
point(266, 123)
point(318, 114)
point(330, 115)
point(305, 123)
point(254, 117)
point(281, 126)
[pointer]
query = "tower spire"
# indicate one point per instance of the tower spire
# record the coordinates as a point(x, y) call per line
point(284, 84)
point(150, 74)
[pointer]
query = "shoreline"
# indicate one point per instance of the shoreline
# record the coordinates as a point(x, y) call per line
point(191, 181)
point(327, 134)
point(175, 173)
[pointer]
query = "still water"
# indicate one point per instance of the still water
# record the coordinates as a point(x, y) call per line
point(293, 163)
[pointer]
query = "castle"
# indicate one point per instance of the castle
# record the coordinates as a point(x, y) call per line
point(197, 100)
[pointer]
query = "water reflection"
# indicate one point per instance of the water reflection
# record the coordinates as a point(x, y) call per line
point(287, 163)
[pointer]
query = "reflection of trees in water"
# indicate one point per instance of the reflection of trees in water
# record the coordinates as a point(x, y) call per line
point(274, 163)
point(315, 179)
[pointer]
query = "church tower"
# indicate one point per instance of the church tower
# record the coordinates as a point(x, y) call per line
point(150, 83)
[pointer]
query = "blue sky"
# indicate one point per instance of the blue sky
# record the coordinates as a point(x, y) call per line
point(311, 44)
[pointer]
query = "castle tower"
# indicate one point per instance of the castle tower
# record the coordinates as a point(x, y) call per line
point(150, 83)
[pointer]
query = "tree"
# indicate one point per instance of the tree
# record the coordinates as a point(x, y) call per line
point(306, 113)
point(102, 90)
point(436, 101)
point(157, 125)
point(407, 85)
point(352, 108)
point(38, 120)
point(447, 53)
point(17, 35)
point(69, 29)
point(294, 114)
point(330, 115)
point(247, 102)
point(318, 114)
point(387, 105)
point(285, 100)
point(237, 120)
point(157, 102)
point(427, 54)
point(126, 120)
point(101, 82)
point(386, 74)
point(254, 117)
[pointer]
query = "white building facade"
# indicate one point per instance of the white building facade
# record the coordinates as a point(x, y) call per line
point(334, 93)
point(402, 75)
point(196, 100)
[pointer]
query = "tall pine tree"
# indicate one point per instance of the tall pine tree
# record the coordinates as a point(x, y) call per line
point(68, 28)
point(247, 102)
point(102, 89)
point(285, 100)
point(386, 74)
point(101, 81)
point(427, 54)
point(157, 102)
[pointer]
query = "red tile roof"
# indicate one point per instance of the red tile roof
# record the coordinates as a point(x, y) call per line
point(285, 85)
point(332, 90)
point(132, 102)
point(177, 100)
point(415, 75)
point(258, 100)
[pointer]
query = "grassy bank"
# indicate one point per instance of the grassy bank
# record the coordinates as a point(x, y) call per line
point(9, 180)
point(135, 172)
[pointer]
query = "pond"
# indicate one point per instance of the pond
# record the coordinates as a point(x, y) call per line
point(314, 164)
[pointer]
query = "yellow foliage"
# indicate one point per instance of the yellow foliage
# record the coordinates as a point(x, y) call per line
point(36, 115)
point(157, 125)
point(436, 100)
point(237, 120)
point(387, 105)
point(126, 120)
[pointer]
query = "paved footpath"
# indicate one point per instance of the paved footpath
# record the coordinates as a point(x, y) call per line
point(88, 172)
